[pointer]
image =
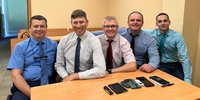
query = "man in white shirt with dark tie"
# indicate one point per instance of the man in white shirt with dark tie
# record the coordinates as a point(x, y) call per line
point(90, 59)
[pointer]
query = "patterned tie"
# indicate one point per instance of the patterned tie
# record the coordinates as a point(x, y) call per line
point(109, 61)
point(133, 43)
point(162, 41)
point(77, 56)
point(43, 61)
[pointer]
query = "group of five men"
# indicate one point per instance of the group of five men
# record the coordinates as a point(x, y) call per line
point(82, 55)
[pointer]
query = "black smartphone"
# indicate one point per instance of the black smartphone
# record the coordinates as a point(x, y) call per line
point(160, 81)
point(145, 81)
point(117, 88)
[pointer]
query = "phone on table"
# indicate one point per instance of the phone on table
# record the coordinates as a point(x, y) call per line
point(130, 83)
point(160, 81)
point(145, 81)
point(117, 88)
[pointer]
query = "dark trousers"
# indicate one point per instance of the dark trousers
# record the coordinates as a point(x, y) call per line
point(174, 69)
point(18, 95)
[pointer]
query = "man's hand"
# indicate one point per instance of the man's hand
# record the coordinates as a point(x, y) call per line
point(147, 68)
point(71, 77)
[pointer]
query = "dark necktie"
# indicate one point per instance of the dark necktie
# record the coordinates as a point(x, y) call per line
point(109, 61)
point(162, 41)
point(43, 61)
point(77, 56)
point(133, 43)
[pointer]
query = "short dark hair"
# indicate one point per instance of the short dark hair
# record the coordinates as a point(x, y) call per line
point(38, 17)
point(162, 14)
point(138, 13)
point(78, 13)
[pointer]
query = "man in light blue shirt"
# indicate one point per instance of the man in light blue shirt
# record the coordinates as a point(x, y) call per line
point(172, 48)
point(143, 45)
point(25, 61)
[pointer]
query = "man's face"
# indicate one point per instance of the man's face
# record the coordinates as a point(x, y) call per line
point(38, 29)
point(79, 25)
point(110, 28)
point(163, 23)
point(135, 22)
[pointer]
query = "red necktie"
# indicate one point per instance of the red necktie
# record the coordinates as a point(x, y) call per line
point(109, 61)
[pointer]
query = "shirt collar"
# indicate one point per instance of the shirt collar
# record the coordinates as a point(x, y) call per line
point(114, 39)
point(35, 41)
point(130, 33)
point(159, 33)
point(82, 36)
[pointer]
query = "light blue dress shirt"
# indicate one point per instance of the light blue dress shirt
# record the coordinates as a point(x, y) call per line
point(22, 58)
point(174, 50)
point(146, 50)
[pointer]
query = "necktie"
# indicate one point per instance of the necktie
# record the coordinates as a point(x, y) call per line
point(109, 61)
point(77, 56)
point(162, 41)
point(133, 43)
point(43, 61)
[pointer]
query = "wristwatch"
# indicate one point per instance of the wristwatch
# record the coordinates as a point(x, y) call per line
point(110, 71)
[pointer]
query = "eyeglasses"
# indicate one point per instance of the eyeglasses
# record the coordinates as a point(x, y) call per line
point(111, 26)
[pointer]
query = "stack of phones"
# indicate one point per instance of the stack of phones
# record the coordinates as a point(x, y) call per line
point(160, 81)
point(130, 83)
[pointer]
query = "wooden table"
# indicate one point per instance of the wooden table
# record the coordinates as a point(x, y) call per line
point(93, 89)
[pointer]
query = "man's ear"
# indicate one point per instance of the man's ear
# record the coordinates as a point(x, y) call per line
point(156, 23)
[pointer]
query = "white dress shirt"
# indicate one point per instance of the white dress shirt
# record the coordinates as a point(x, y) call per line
point(92, 62)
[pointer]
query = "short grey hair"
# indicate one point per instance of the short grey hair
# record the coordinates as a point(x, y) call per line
point(109, 18)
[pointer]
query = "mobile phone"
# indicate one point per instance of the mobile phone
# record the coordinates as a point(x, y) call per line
point(125, 83)
point(136, 85)
point(160, 81)
point(108, 90)
point(145, 81)
point(117, 88)
point(130, 83)
point(139, 82)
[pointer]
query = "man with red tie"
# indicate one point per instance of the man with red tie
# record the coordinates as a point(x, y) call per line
point(117, 52)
